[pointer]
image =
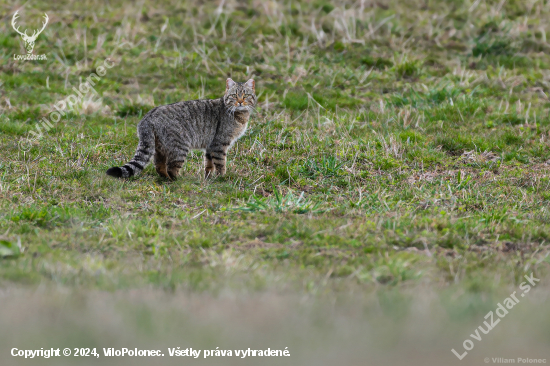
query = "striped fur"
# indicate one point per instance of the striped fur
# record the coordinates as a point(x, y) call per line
point(170, 131)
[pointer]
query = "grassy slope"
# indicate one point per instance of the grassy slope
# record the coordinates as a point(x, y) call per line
point(394, 143)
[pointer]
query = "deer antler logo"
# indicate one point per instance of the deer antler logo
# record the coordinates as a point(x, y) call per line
point(29, 40)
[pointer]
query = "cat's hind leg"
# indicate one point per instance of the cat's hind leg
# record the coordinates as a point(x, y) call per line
point(208, 165)
point(160, 162)
point(175, 161)
point(218, 154)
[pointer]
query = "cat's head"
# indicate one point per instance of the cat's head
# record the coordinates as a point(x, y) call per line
point(240, 96)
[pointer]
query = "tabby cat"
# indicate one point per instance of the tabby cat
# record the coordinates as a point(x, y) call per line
point(170, 131)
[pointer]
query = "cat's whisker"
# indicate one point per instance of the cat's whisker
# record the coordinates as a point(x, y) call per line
point(231, 111)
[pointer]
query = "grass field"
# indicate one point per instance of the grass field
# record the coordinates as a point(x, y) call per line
point(398, 160)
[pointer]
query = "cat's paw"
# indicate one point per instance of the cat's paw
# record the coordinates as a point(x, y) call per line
point(172, 176)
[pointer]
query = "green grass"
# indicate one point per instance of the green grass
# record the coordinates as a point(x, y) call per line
point(378, 143)
point(396, 145)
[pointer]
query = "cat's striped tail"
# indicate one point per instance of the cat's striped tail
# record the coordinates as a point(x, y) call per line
point(144, 152)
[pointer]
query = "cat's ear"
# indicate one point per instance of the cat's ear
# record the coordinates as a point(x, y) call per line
point(251, 84)
point(229, 83)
